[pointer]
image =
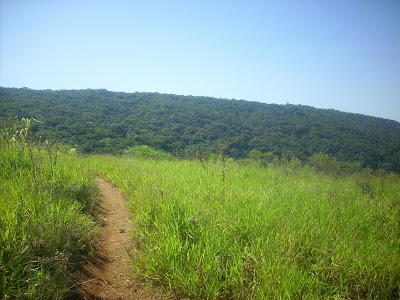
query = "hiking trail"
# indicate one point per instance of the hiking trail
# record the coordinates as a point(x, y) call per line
point(111, 277)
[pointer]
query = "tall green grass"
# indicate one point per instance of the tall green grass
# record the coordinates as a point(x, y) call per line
point(282, 232)
point(46, 217)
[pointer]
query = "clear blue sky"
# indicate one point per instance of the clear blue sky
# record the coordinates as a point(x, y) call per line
point(327, 54)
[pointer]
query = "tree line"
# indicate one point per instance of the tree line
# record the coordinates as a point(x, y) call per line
point(101, 121)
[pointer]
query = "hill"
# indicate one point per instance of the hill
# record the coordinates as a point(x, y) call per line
point(101, 121)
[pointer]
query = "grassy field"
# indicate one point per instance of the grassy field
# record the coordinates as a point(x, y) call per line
point(47, 204)
point(206, 230)
point(280, 232)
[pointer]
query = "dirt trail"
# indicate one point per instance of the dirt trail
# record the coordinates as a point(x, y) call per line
point(111, 278)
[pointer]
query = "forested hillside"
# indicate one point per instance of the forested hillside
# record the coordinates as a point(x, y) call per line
point(100, 121)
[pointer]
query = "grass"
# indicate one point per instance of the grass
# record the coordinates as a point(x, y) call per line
point(46, 217)
point(281, 232)
point(205, 230)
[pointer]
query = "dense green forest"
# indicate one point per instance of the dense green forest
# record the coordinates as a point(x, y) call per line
point(101, 121)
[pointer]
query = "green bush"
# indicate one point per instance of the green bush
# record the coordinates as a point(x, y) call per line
point(145, 151)
point(324, 163)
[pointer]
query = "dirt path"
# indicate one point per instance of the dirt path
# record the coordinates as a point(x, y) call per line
point(111, 278)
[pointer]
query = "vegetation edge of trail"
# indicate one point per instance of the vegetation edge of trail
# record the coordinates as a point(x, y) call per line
point(47, 213)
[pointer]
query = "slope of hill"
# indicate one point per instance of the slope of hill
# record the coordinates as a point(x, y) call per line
point(101, 121)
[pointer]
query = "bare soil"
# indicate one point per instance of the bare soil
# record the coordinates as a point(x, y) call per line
point(111, 276)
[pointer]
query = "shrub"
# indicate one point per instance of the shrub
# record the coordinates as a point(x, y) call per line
point(324, 163)
point(145, 151)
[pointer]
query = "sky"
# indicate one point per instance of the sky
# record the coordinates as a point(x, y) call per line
point(343, 55)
